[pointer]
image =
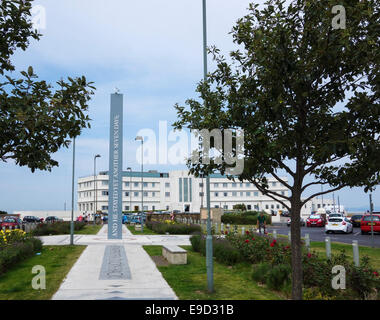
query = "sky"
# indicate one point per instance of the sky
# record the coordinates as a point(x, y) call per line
point(152, 52)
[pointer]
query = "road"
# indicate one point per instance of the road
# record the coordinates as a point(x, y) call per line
point(318, 234)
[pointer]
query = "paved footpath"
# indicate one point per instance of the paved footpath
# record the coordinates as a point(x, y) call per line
point(115, 269)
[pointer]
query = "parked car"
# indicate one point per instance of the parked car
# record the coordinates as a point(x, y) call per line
point(52, 219)
point(302, 222)
point(315, 220)
point(31, 219)
point(335, 215)
point(285, 214)
point(338, 224)
point(11, 223)
point(356, 220)
point(365, 225)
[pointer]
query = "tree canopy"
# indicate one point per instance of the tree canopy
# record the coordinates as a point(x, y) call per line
point(37, 118)
point(307, 97)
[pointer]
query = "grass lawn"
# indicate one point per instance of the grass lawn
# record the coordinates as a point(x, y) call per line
point(57, 260)
point(89, 229)
point(147, 231)
point(373, 253)
point(189, 282)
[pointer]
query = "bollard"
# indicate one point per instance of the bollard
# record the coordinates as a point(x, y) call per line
point(235, 228)
point(216, 228)
point(328, 247)
point(222, 228)
point(290, 236)
point(243, 231)
point(275, 234)
point(355, 248)
point(307, 241)
point(228, 227)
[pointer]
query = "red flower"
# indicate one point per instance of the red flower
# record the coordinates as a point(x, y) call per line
point(246, 241)
point(226, 232)
point(253, 239)
point(309, 255)
point(376, 274)
point(247, 232)
point(272, 244)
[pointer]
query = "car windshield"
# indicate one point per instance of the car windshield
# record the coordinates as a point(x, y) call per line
point(356, 217)
point(314, 216)
point(335, 215)
point(9, 220)
point(336, 220)
point(368, 218)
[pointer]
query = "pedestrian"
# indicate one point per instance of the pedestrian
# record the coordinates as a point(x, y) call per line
point(261, 222)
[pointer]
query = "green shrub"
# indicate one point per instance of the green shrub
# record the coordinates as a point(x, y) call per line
point(245, 218)
point(57, 228)
point(278, 277)
point(196, 240)
point(260, 272)
point(225, 253)
point(15, 253)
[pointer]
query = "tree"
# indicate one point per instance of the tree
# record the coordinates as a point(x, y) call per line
point(240, 206)
point(36, 119)
point(307, 97)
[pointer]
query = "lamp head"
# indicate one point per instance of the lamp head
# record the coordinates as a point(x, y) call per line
point(98, 156)
point(139, 138)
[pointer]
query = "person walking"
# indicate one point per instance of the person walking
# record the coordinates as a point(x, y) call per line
point(261, 222)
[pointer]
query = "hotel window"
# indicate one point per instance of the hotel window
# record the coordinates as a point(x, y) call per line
point(266, 206)
point(274, 184)
point(241, 185)
point(127, 194)
point(153, 184)
point(104, 193)
point(145, 208)
point(234, 185)
point(216, 194)
point(278, 206)
point(167, 185)
point(136, 194)
point(234, 193)
point(153, 194)
point(225, 207)
point(241, 194)
point(272, 206)
point(216, 185)
point(249, 207)
point(225, 185)
point(145, 184)
point(225, 194)
point(248, 193)
point(256, 194)
point(104, 207)
point(256, 207)
point(167, 194)
point(126, 208)
point(136, 184)
point(126, 184)
point(247, 185)
point(201, 185)
point(145, 194)
point(104, 183)
point(201, 194)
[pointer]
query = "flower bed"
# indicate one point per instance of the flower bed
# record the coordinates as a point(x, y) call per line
point(271, 260)
point(16, 246)
point(172, 227)
point(244, 218)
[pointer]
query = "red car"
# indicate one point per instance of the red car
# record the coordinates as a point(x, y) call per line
point(315, 220)
point(365, 224)
point(10, 223)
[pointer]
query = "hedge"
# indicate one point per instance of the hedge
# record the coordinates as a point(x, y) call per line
point(56, 228)
point(177, 228)
point(245, 218)
point(17, 252)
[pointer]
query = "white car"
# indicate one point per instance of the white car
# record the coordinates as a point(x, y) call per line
point(338, 224)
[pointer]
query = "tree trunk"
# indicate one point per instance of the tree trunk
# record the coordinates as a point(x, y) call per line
point(297, 276)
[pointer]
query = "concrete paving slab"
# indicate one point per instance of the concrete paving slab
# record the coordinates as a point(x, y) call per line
point(86, 280)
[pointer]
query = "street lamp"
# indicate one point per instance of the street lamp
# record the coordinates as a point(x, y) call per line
point(209, 262)
point(72, 199)
point(95, 188)
point(130, 188)
point(140, 138)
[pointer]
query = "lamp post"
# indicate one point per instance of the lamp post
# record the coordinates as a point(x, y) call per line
point(130, 188)
point(72, 199)
point(95, 188)
point(209, 262)
point(371, 213)
point(139, 138)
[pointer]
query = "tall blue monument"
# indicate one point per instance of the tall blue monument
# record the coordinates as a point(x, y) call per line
point(115, 168)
